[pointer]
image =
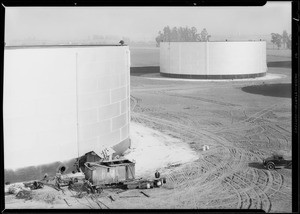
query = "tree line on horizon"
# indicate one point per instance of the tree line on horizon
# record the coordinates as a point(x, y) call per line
point(282, 39)
point(181, 34)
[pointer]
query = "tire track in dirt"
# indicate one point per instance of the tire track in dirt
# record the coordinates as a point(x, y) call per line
point(267, 180)
point(278, 183)
point(251, 119)
point(209, 178)
point(276, 131)
point(264, 201)
point(245, 200)
point(259, 200)
point(211, 175)
point(259, 114)
point(289, 132)
point(203, 100)
point(252, 192)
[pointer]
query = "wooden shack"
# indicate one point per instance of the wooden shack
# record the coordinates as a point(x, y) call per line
point(88, 157)
point(109, 172)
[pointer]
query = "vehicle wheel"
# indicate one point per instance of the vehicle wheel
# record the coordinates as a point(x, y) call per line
point(270, 166)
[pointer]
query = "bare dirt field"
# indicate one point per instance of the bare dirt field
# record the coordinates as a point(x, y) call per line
point(242, 122)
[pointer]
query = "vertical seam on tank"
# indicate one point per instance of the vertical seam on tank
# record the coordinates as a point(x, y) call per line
point(128, 84)
point(77, 111)
point(169, 57)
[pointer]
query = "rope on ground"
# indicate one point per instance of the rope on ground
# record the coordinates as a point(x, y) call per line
point(93, 197)
point(96, 201)
point(91, 206)
point(79, 201)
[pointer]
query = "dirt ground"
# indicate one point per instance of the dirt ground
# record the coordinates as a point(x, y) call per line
point(241, 121)
point(145, 142)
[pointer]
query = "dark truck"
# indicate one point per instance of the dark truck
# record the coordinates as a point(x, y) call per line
point(276, 161)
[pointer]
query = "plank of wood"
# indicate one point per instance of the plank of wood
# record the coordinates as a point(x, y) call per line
point(111, 198)
point(130, 196)
point(145, 194)
point(67, 202)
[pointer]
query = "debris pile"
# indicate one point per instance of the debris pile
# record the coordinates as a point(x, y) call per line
point(16, 188)
point(20, 191)
point(34, 185)
point(96, 172)
point(24, 194)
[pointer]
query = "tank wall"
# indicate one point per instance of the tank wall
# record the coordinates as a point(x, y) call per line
point(47, 90)
point(213, 58)
point(103, 101)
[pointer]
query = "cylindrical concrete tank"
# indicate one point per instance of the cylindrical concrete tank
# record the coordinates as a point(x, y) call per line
point(63, 101)
point(213, 60)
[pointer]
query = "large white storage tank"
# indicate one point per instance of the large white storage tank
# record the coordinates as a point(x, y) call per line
point(63, 101)
point(213, 60)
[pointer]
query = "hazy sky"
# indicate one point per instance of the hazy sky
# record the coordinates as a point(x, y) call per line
point(142, 23)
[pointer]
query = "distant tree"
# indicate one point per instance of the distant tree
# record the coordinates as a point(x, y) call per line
point(204, 35)
point(208, 37)
point(285, 38)
point(167, 34)
point(185, 34)
point(195, 35)
point(174, 34)
point(276, 39)
point(179, 34)
point(289, 42)
point(159, 38)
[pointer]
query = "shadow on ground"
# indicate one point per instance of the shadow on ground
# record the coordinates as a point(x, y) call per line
point(280, 64)
point(256, 165)
point(273, 90)
point(139, 71)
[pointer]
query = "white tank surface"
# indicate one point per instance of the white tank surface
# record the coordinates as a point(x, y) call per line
point(61, 102)
point(213, 60)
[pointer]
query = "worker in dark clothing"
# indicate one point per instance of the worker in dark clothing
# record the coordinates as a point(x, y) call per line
point(121, 42)
point(62, 169)
point(157, 174)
